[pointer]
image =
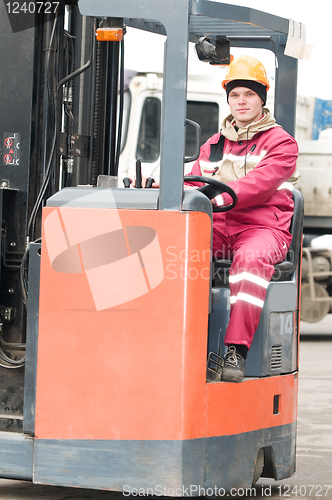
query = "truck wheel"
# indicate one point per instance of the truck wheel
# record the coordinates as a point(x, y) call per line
point(313, 311)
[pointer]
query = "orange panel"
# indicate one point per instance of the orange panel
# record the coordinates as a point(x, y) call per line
point(235, 408)
point(134, 369)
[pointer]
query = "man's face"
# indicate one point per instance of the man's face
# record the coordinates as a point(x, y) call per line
point(245, 105)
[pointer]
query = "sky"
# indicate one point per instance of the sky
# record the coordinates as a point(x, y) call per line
point(315, 74)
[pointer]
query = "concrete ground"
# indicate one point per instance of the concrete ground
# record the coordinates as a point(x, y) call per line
point(313, 478)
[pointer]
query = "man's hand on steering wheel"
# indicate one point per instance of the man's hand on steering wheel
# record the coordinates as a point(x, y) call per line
point(212, 189)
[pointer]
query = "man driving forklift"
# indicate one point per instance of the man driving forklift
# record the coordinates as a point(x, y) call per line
point(257, 158)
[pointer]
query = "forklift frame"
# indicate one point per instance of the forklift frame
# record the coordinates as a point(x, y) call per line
point(179, 443)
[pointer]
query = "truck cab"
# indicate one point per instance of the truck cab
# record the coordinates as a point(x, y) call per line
point(206, 105)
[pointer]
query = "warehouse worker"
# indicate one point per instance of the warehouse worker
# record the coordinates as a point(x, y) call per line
point(257, 159)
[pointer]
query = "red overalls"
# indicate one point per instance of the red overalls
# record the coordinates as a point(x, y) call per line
point(255, 234)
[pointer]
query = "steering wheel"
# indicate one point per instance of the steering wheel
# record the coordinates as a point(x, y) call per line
point(212, 188)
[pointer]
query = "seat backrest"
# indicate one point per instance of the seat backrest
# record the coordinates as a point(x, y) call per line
point(284, 269)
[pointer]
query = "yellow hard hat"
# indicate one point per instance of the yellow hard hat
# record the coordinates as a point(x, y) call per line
point(246, 68)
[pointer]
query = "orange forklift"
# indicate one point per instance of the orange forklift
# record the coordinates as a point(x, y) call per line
point(110, 353)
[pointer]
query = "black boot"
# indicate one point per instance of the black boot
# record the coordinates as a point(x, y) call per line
point(234, 365)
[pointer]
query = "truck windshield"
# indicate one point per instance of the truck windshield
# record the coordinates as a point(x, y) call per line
point(148, 144)
point(206, 114)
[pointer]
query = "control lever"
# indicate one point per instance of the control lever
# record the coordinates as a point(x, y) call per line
point(149, 182)
point(138, 183)
point(126, 181)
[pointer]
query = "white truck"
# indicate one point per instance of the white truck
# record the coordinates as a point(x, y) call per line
point(315, 164)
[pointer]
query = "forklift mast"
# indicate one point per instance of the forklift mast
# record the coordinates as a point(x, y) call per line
point(58, 115)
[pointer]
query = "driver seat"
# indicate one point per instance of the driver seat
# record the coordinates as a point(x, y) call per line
point(274, 347)
point(283, 270)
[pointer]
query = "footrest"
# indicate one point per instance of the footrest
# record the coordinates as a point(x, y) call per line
point(214, 366)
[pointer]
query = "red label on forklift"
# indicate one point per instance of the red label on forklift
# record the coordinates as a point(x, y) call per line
point(11, 148)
